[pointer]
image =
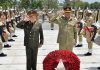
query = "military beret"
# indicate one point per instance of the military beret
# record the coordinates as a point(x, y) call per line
point(67, 9)
point(32, 13)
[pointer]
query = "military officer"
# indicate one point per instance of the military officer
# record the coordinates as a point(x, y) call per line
point(88, 31)
point(67, 28)
point(32, 29)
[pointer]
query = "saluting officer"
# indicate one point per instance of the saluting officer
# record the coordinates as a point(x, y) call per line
point(67, 28)
point(32, 41)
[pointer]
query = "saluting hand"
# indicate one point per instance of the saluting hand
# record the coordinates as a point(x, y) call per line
point(60, 13)
point(26, 17)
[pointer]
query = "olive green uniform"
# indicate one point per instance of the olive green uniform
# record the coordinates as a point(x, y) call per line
point(67, 32)
point(31, 41)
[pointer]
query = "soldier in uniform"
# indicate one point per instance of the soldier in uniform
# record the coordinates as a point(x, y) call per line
point(88, 31)
point(5, 33)
point(67, 28)
point(1, 30)
point(17, 17)
point(9, 25)
point(99, 15)
point(99, 28)
point(50, 14)
point(32, 41)
point(43, 16)
point(79, 27)
point(98, 21)
point(13, 20)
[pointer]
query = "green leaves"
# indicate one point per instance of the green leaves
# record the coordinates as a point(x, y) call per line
point(84, 5)
point(95, 5)
point(8, 3)
point(37, 4)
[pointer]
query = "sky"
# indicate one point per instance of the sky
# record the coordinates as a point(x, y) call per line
point(90, 1)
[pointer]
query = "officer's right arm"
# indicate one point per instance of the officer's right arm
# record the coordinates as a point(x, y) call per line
point(24, 20)
point(21, 24)
point(55, 19)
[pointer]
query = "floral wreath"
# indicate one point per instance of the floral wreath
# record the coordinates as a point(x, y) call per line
point(69, 59)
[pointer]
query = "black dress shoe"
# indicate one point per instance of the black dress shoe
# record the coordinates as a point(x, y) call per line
point(52, 29)
point(11, 40)
point(3, 55)
point(7, 46)
point(79, 45)
point(98, 68)
point(14, 36)
point(88, 54)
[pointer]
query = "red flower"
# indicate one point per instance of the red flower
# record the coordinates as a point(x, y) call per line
point(69, 59)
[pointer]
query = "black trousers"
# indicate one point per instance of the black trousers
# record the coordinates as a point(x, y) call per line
point(31, 58)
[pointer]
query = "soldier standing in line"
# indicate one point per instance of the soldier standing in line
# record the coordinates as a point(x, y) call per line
point(33, 38)
point(5, 33)
point(88, 31)
point(79, 27)
point(9, 25)
point(67, 28)
point(98, 20)
point(99, 28)
point(43, 16)
point(1, 47)
point(99, 15)
point(13, 20)
point(50, 14)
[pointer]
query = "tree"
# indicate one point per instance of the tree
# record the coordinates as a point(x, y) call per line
point(6, 3)
point(51, 4)
point(95, 5)
point(37, 4)
point(25, 3)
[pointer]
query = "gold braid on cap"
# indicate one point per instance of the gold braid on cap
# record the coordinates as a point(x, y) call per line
point(67, 9)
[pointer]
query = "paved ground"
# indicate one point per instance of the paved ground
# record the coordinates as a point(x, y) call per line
point(16, 59)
